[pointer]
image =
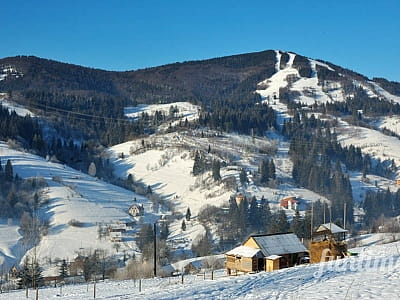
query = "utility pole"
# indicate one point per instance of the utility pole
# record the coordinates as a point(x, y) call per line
point(312, 219)
point(155, 249)
point(344, 215)
point(324, 212)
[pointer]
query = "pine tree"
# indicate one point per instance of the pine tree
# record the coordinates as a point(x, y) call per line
point(216, 166)
point(298, 225)
point(149, 191)
point(280, 224)
point(197, 165)
point(264, 171)
point(188, 214)
point(37, 277)
point(24, 276)
point(9, 174)
point(164, 232)
point(265, 215)
point(129, 180)
point(243, 217)
point(271, 169)
point(254, 219)
point(183, 227)
point(63, 270)
point(243, 176)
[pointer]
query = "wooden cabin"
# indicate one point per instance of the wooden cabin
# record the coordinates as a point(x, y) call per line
point(136, 210)
point(244, 259)
point(265, 252)
point(398, 181)
point(328, 242)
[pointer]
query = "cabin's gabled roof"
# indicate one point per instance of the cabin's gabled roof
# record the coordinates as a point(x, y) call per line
point(278, 244)
point(331, 227)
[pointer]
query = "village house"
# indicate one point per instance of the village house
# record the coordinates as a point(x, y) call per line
point(77, 265)
point(328, 242)
point(118, 227)
point(289, 203)
point(115, 236)
point(265, 252)
point(136, 210)
point(13, 273)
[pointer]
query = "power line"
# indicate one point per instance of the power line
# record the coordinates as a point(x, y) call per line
point(70, 112)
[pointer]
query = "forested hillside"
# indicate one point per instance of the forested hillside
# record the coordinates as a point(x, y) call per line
point(298, 121)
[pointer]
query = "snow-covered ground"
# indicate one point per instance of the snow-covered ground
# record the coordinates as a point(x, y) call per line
point(9, 71)
point(383, 93)
point(308, 89)
point(373, 274)
point(71, 195)
point(391, 122)
point(371, 142)
point(168, 172)
point(19, 110)
point(9, 242)
point(186, 110)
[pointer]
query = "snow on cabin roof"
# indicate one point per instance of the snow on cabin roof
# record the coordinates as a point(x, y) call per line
point(245, 252)
point(273, 257)
point(278, 244)
point(331, 227)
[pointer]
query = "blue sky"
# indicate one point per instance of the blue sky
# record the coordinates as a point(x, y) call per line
point(126, 35)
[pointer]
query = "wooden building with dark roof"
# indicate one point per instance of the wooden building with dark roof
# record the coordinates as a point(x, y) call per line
point(265, 252)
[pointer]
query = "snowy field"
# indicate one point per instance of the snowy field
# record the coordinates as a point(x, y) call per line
point(19, 110)
point(186, 110)
point(392, 123)
point(307, 89)
point(71, 195)
point(373, 274)
point(372, 142)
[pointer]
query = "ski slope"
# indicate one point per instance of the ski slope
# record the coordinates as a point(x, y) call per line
point(307, 89)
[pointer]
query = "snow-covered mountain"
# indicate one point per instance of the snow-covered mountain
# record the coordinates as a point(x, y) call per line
point(78, 205)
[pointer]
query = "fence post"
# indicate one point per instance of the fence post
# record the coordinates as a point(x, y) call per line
point(182, 278)
point(140, 285)
point(94, 289)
